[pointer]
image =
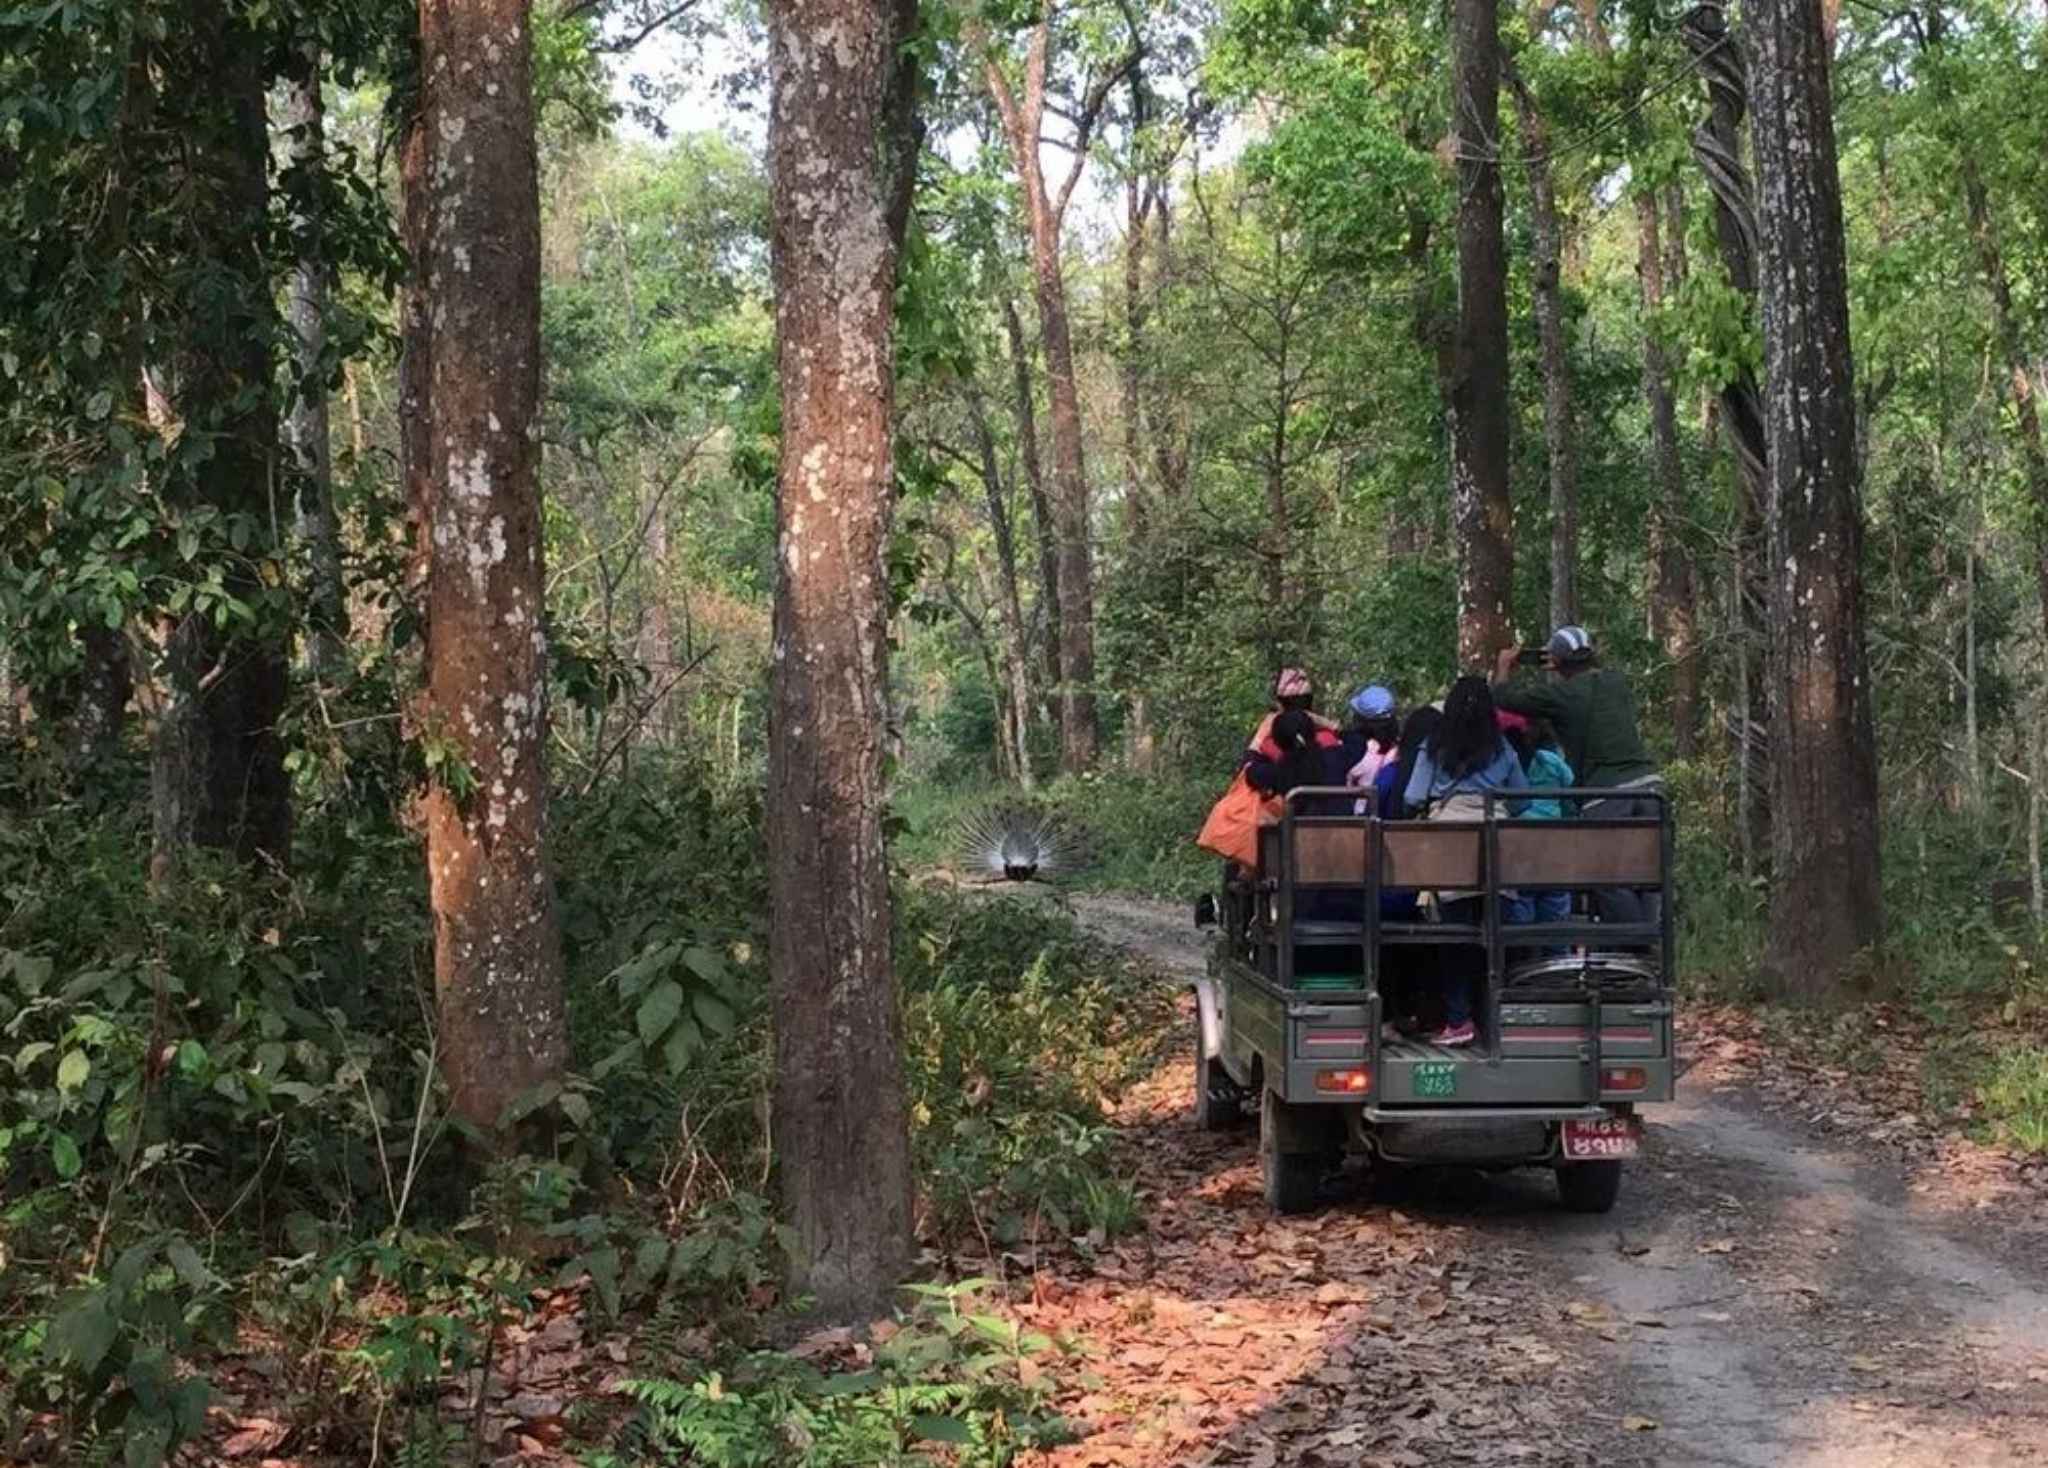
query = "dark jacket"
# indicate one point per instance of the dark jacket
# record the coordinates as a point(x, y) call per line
point(1594, 715)
point(1333, 766)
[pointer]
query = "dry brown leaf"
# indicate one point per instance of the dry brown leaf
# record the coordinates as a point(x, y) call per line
point(1639, 1424)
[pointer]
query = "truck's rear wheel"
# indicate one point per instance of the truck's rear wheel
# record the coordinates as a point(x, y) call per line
point(1219, 1100)
point(1589, 1187)
point(1289, 1155)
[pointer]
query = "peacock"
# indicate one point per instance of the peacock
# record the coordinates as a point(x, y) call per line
point(1018, 843)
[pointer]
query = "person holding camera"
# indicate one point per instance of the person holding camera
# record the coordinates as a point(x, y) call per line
point(1593, 711)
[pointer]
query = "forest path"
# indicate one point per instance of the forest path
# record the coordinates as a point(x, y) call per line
point(1757, 1298)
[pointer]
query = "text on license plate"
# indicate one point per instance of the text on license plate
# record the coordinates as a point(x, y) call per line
point(1615, 1136)
point(1436, 1078)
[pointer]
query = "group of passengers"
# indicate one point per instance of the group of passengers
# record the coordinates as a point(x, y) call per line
point(1572, 726)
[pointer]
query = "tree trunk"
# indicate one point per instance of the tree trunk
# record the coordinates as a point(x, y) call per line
point(1044, 528)
point(218, 779)
point(1673, 619)
point(1560, 440)
point(1826, 902)
point(1016, 646)
point(1023, 118)
point(656, 649)
point(497, 946)
point(1477, 405)
point(1070, 506)
point(1717, 147)
point(1130, 371)
point(841, 150)
point(306, 430)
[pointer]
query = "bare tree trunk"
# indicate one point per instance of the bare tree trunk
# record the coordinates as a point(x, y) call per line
point(1717, 147)
point(1016, 648)
point(1023, 116)
point(306, 430)
point(656, 642)
point(497, 945)
point(1044, 528)
point(841, 151)
point(1673, 620)
point(1560, 439)
point(217, 776)
point(1826, 899)
point(1477, 405)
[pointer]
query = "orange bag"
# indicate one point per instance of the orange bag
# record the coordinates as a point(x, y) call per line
point(1232, 830)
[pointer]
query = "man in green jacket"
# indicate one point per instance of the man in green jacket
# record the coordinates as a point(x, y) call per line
point(1594, 713)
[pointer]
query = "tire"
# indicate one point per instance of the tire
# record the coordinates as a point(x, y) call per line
point(1294, 1179)
point(1589, 1187)
point(1219, 1100)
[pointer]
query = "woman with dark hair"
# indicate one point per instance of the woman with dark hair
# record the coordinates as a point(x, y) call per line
point(1459, 764)
point(1464, 759)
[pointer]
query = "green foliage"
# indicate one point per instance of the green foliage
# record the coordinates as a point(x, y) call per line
point(1017, 1032)
point(951, 1376)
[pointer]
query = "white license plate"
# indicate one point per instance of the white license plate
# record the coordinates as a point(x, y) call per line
point(1596, 1141)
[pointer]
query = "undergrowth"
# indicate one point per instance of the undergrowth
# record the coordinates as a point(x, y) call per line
point(223, 1121)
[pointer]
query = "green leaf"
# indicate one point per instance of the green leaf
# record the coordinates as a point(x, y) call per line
point(185, 1259)
point(658, 1010)
point(64, 1156)
point(30, 1053)
point(73, 1070)
point(191, 1058)
point(83, 1334)
point(681, 1048)
point(941, 1429)
point(713, 1013)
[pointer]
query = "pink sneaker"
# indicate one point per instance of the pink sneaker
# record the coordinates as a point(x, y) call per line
point(1454, 1036)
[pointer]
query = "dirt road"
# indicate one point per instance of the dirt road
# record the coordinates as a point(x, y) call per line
point(1758, 1298)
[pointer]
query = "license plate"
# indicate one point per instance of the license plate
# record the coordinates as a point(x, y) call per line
point(1592, 1141)
point(1436, 1078)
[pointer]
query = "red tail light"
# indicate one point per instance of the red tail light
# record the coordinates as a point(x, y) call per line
point(1624, 1078)
point(1344, 1082)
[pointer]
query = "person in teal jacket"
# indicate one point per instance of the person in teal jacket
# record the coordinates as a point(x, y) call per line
point(1546, 769)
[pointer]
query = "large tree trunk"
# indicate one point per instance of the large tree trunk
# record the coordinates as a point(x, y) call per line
point(497, 947)
point(1673, 616)
point(218, 778)
point(1826, 901)
point(1717, 147)
point(306, 430)
point(841, 150)
point(1477, 405)
point(1560, 439)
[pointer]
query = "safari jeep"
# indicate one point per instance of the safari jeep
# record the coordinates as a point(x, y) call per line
point(1574, 1017)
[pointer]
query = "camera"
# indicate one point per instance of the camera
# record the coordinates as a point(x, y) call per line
point(1531, 657)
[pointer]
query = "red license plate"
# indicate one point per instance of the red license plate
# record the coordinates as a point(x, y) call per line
point(1596, 1141)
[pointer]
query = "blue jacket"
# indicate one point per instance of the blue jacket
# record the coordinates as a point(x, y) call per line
point(1547, 769)
point(1428, 784)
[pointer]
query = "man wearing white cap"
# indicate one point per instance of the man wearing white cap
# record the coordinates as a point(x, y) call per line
point(1593, 711)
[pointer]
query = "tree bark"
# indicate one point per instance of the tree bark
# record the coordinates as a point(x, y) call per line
point(1015, 637)
point(1044, 529)
point(841, 149)
point(1481, 513)
point(1023, 119)
point(497, 946)
point(1717, 147)
point(1673, 616)
point(1560, 436)
point(1826, 901)
point(306, 430)
point(217, 778)
point(656, 640)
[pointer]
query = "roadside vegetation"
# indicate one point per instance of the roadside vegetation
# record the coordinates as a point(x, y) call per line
point(223, 1144)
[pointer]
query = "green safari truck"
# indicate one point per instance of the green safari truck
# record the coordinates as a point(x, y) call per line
point(1574, 1017)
